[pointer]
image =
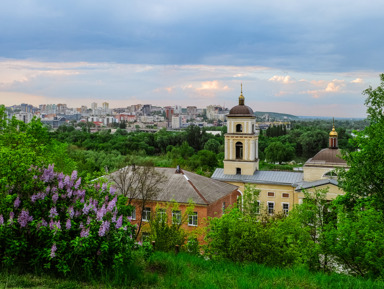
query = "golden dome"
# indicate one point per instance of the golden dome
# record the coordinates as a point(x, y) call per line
point(333, 133)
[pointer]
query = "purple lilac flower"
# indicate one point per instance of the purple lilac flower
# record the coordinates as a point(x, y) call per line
point(68, 224)
point(57, 225)
point(119, 222)
point(89, 220)
point(60, 177)
point(1, 219)
point(71, 212)
point(24, 218)
point(53, 212)
point(48, 189)
point(82, 200)
point(55, 197)
point(53, 250)
point(104, 187)
point(48, 174)
point(104, 228)
point(86, 209)
point(101, 212)
point(112, 204)
point(112, 190)
point(61, 184)
point(74, 175)
point(129, 218)
point(17, 202)
point(11, 216)
point(33, 198)
point(81, 226)
point(78, 183)
point(106, 198)
point(84, 233)
point(77, 213)
point(34, 177)
point(70, 193)
point(44, 223)
point(66, 181)
point(51, 225)
point(114, 217)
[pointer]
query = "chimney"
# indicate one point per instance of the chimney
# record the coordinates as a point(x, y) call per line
point(178, 169)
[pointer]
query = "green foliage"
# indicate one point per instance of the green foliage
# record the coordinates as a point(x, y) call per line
point(23, 146)
point(276, 241)
point(365, 178)
point(357, 242)
point(168, 233)
point(279, 152)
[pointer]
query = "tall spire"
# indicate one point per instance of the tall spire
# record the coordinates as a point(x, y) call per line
point(241, 97)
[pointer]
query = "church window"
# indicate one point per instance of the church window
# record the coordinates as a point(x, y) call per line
point(285, 208)
point(271, 208)
point(239, 128)
point(239, 150)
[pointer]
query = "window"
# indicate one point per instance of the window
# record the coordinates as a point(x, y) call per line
point(271, 194)
point(161, 215)
point(192, 219)
point(223, 207)
point(239, 150)
point(285, 208)
point(285, 195)
point(253, 129)
point(271, 208)
point(176, 217)
point(146, 216)
point(133, 213)
point(239, 128)
point(238, 171)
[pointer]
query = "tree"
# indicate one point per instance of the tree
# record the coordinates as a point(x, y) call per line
point(279, 152)
point(139, 184)
point(212, 145)
point(365, 178)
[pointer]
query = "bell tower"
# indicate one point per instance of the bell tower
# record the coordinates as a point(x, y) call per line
point(241, 141)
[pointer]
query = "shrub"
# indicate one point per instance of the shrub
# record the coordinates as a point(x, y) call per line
point(65, 227)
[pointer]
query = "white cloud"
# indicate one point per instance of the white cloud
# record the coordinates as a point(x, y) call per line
point(282, 79)
point(357, 80)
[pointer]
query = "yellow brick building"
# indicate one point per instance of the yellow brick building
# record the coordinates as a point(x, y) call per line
point(279, 191)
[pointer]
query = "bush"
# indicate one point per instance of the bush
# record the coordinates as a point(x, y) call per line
point(66, 228)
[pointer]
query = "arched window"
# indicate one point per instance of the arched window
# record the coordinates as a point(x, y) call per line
point(239, 150)
point(239, 128)
point(330, 175)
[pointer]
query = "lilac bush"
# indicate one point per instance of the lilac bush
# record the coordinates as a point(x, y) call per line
point(63, 225)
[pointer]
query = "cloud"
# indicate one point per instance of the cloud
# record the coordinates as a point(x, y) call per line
point(282, 79)
point(357, 80)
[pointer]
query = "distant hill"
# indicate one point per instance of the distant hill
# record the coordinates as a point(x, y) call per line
point(275, 115)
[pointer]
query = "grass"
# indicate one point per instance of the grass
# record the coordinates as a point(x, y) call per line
point(165, 270)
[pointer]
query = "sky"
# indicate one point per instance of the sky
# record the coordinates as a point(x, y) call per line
point(302, 57)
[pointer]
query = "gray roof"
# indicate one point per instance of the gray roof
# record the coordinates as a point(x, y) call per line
point(185, 186)
point(261, 177)
point(307, 185)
